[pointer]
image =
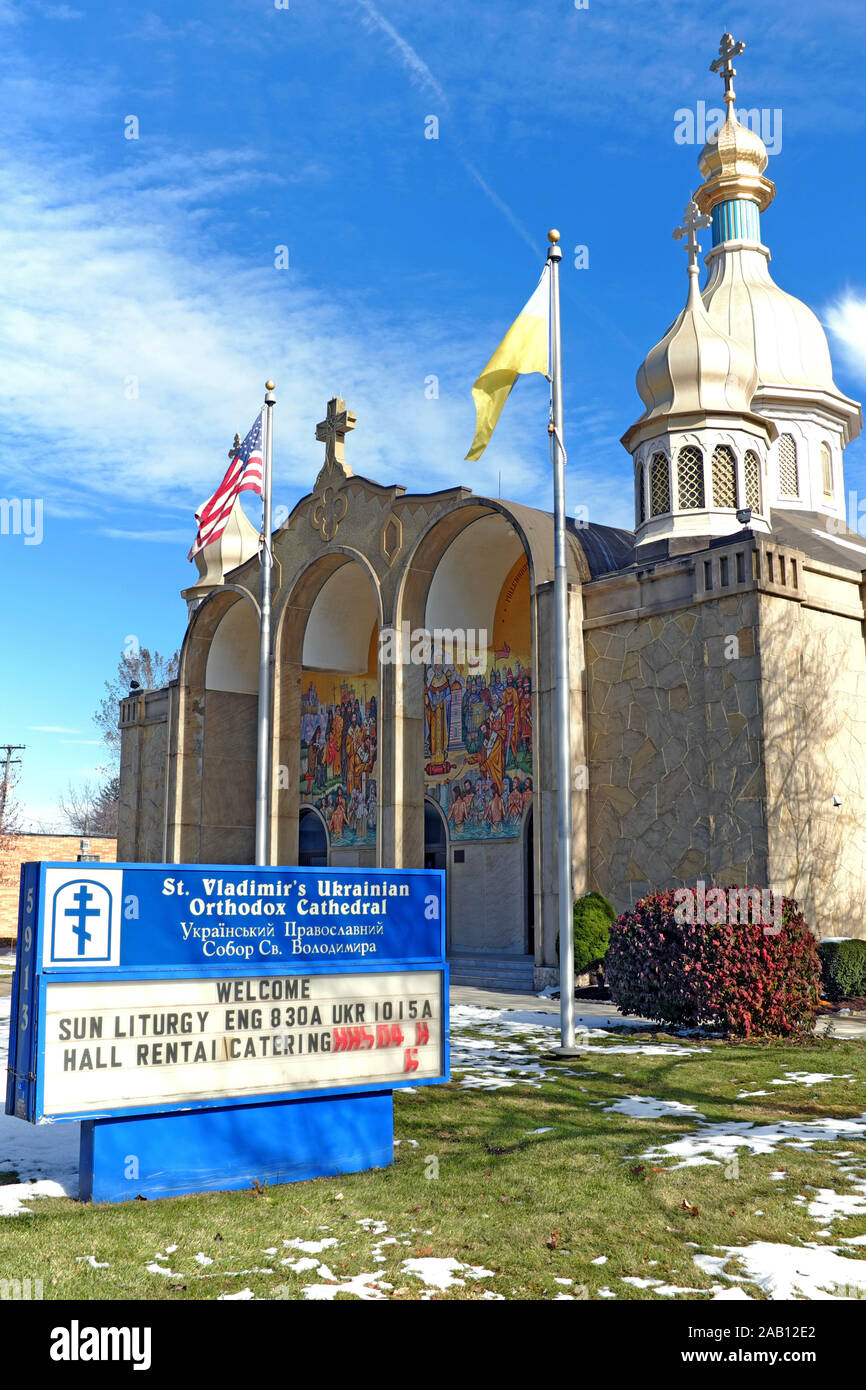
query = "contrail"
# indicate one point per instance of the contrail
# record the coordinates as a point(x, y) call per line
point(410, 59)
point(420, 72)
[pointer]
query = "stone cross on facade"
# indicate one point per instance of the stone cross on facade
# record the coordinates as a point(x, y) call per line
point(329, 503)
point(693, 218)
point(729, 49)
point(332, 433)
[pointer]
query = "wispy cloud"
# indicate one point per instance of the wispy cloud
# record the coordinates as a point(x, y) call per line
point(119, 340)
point(51, 729)
point(846, 320)
point(177, 536)
point(64, 13)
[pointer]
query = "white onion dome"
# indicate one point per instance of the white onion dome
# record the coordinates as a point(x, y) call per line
point(696, 368)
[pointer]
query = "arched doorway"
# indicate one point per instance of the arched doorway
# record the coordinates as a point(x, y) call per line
point(529, 881)
point(436, 853)
point(435, 837)
point(312, 840)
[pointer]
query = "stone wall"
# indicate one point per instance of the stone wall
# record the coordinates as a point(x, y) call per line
point(487, 897)
point(228, 779)
point(143, 772)
point(676, 782)
point(814, 698)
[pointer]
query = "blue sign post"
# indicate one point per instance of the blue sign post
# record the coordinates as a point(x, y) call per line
point(214, 1026)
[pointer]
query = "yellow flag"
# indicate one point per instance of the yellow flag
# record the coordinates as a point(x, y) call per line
point(525, 348)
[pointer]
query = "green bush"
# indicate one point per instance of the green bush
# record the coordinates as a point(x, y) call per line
point(843, 969)
point(593, 916)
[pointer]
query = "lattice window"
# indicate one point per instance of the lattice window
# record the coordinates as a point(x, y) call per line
point(660, 485)
point(827, 471)
point(752, 468)
point(690, 478)
point(640, 494)
point(724, 477)
point(789, 472)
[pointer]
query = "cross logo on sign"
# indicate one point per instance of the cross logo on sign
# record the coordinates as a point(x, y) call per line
point(81, 922)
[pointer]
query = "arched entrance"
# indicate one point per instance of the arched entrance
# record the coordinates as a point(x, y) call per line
point(326, 713)
point(222, 680)
point(435, 837)
point(529, 881)
point(476, 762)
point(312, 839)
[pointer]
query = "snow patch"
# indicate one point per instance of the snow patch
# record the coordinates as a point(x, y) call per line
point(648, 1108)
point(787, 1272)
point(13, 1195)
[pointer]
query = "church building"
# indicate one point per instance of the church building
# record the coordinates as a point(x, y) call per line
point(718, 663)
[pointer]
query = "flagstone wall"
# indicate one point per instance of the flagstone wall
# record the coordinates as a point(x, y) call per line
point(814, 701)
point(676, 776)
point(726, 700)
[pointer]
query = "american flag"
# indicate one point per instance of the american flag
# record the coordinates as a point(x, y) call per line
point(244, 475)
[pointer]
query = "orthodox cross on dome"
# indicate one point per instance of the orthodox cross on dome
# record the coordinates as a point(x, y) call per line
point(329, 503)
point(729, 49)
point(693, 218)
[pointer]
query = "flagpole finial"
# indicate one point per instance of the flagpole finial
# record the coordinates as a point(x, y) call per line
point(553, 236)
point(269, 386)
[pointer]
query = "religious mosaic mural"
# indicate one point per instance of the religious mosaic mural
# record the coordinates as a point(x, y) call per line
point(478, 725)
point(339, 735)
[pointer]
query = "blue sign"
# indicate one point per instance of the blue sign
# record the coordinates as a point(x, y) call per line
point(174, 990)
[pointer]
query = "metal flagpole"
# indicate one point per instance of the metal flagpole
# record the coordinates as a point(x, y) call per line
point(563, 693)
point(263, 733)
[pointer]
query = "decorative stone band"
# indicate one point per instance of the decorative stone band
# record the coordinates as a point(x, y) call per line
point(737, 220)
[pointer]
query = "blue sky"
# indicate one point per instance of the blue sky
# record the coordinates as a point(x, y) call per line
point(305, 127)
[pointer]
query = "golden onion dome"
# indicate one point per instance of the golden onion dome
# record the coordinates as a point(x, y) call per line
point(732, 164)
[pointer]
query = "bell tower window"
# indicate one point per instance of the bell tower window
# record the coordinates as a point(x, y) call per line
point(789, 471)
point(827, 472)
point(724, 477)
point(752, 470)
point(690, 478)
point(660, 485)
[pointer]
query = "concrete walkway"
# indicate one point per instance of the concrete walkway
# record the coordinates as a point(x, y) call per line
point(593, 1013)
point(597, 1014)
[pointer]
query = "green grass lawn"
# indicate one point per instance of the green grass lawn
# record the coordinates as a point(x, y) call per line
point(533, 1208)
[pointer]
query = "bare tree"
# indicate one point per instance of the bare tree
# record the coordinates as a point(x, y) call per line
point(90, 809)
point(150, 670)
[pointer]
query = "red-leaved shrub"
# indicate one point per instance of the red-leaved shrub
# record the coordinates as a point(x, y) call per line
point(741, 978)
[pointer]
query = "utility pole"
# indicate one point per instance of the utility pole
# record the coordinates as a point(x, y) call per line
point(10, 748)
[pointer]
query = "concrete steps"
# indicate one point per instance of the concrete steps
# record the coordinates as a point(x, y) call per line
point(490, 970)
